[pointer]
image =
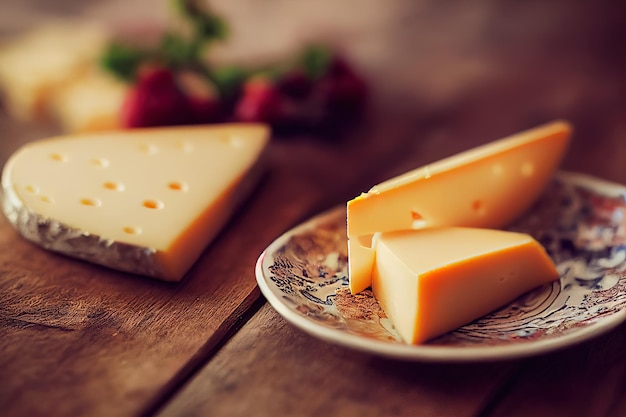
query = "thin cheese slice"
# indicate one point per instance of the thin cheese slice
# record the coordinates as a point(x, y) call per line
point(488, 186)
point(432, 281)
point(146, 201)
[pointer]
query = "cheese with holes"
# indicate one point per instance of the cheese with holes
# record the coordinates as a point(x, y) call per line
point(435, 280)
point(487, 187)
point(146, 201)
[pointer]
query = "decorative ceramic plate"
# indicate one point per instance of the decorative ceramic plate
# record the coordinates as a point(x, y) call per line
point(580, 220)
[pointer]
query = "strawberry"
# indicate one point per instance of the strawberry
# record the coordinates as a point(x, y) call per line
point(205, 109)
point(295, 84)
point(155, 100)
point(346, 94)
point(260, 102)
point(345, 90)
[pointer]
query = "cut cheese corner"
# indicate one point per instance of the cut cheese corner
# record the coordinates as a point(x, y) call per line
point(485, 187)
point(362, 255)
point(145, 201)
point(432, 281)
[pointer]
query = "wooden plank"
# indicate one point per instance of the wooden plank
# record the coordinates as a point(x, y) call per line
point(587, 380)
point(270, 368)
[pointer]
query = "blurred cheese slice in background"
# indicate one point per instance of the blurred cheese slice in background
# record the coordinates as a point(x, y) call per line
point(487, 187)
point(37, 64)
point(435, 280)
point(146, 201)
point(90, 102)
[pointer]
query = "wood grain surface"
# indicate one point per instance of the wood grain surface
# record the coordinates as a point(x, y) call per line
point(312, 378)
point(272, 363)
point(80, 340)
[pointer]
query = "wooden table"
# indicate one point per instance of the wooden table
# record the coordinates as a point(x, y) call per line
point(80, 340)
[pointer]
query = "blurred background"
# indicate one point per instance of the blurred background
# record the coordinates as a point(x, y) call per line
point(479, 69)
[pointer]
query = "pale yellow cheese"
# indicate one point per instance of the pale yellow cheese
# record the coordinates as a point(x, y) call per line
point(89, 102)
point(34, 66)
point(485, 187)
point(146, 201)
point(435, 280)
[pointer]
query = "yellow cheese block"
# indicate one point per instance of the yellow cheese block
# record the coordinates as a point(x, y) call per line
point(432, 281)
point(488, 187)
point(146, 201)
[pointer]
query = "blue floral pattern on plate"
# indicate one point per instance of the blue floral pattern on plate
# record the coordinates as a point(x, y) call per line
point(580, 220)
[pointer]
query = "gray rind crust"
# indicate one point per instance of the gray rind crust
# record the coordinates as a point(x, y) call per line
point(56, 236)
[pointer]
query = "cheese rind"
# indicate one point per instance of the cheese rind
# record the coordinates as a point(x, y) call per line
point(485, 187)
point(146, 201)
point(432, 281)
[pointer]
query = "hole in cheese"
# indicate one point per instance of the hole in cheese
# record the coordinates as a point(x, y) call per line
point(100, 162)
point(46, 199)
point(149, 148)
point(153, 204)
point(185, 146)
point(177, 186)
point(32, 189)
point(58, 157)
point(528, 169)
point(131, 230)
point(90, 202)
point(418, 221)
point(112, 185)
point(478, 207)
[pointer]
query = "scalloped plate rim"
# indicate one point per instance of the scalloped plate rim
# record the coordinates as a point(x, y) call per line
point(428, 353)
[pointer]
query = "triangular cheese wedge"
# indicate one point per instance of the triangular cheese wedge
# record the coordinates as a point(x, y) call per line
point(488, 187)
point(146, 201)
point(435, 280)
